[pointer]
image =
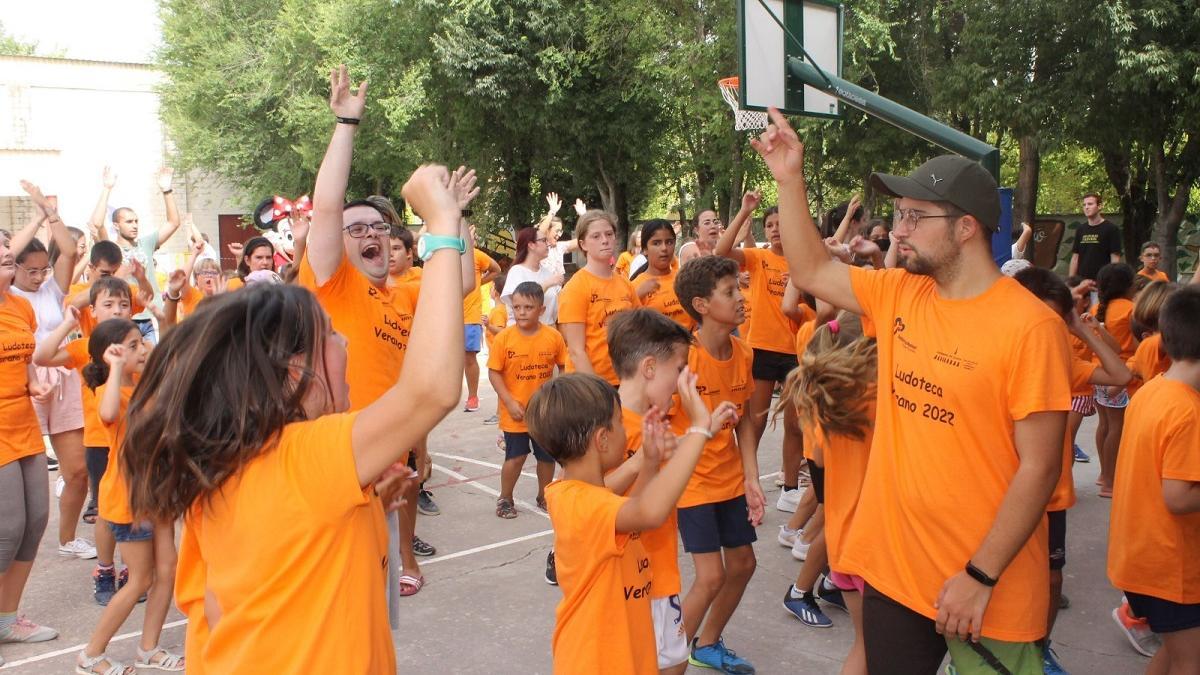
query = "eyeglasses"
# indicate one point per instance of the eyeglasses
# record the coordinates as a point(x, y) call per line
point(360, 230)
point(540, 240)
point(913, 217)
point(208, 273)
point(40, 272)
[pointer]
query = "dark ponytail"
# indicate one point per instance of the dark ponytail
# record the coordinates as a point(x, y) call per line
point(1113, 281)
point(108, 333)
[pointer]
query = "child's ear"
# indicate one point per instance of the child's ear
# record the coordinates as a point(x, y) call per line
point(542, 310)
point(700, 305)
point(646, 367)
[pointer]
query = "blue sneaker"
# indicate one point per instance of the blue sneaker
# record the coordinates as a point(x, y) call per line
point(805, 608)
point(719, 657)
point(827, 592)
point(1050, 664)
point(1081, 456)
point(106, 585)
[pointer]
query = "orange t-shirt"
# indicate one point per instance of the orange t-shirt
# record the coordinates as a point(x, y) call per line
point(603, 622)
point(623, 262)
point(1150, 550)
point(87, 320)
point(94, 435)
point(368, 317)
point(955, 376)
point(590, 300)
point(473, 303)
point(191, 297)
point(1149, 361)
point(22, 436)
point(804, 335)
point(1063, 496)
point(525, 362)
point(114, 493)
point(1117, 320)
point(845, 460)
point(293, 513)
point(662, 543)
point(770, 328)
point(719, 475)
point(1158, 275)
point(412, 275)
point(234, 284)
point(497, 319)
point(1080, 350)
point(664, 300)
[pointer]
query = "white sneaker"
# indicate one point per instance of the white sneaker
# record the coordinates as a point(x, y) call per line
point(800, 549)
point(78, 548)
point(59, 484)
point(787, 537)
point(788, 500)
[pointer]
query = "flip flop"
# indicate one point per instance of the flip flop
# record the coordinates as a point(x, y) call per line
point(410, 585)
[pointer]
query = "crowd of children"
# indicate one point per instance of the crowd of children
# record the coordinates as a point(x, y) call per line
point(272, 414)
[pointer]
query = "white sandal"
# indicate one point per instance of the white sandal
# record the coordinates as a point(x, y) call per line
point(167, 660)
point(86, 665)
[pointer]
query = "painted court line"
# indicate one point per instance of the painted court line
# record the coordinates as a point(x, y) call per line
point(479, 462)
point(486, 547)
point(491, 491)
point(79, 647)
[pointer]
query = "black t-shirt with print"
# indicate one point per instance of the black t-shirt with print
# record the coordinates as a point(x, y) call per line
point(1095, 245)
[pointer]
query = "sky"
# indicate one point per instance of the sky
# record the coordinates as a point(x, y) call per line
point(100, 30)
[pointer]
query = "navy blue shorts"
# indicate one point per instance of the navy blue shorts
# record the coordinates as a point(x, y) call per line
point(772, 366)
point(1164, 616)
point(127, 532)
point(520, 444)
point(708, 528)
point(1057, 524)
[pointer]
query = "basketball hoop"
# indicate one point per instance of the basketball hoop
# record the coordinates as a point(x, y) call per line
point(743, 120)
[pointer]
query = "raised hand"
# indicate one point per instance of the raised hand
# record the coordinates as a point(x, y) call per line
point(175, 282)
point(341, 101)
point(428, 192)
point(35, 193)
point(751, 200)
point(580, 207)
point(462, 184)
point(138, 272)
point(236, 249)
point(837, 249)
point(781, 149)
point(108, 178)
point(71, 316)
point(390, 486)
point(725, 414)
point(114, 356)
point(692, 403)
point(861, 246)
point(164, 178)
point(198, 247)
point(554, 202)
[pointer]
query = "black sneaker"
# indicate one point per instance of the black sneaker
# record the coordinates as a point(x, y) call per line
point(51, 463)
point(551, 573)
point(426, 505)
point(106, 585)
point(422, 549)
point(831, 594)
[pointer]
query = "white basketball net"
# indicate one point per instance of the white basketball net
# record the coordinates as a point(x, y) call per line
point(743, 120)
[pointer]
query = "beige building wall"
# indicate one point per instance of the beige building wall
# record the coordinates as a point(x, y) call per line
point(63, 120)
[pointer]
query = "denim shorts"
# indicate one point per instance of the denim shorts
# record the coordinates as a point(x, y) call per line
point(127, 532)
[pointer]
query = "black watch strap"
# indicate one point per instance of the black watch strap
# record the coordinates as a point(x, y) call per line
point(348, 120)
point(980, 576)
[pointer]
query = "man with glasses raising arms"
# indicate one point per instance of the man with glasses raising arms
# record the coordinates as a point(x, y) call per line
point(950, 533)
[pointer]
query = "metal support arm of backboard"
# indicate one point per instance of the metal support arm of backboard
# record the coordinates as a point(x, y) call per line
point(897, 115)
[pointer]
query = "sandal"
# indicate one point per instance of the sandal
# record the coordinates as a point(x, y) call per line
point(1106, 493)
point(159, 659)
point(410, 585)
point(541, 504)
point(505, 509)
point(90, 515)
point(86, 665)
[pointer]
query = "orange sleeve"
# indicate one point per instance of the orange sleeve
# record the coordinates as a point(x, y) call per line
point(573, 300)
point(875, 291)
point(191, 585)
point(560, 354)
point(1180, 461)
point(1082, 372)
point(319, 464)
point(497, 356)
point(1046, 387)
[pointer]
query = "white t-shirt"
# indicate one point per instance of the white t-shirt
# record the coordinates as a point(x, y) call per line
point(519, 274)
point(554, 258)
point(47, 303)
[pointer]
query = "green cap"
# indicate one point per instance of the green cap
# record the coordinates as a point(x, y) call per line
point(948, 178)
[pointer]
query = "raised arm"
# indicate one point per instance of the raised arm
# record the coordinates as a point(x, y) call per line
point(843, 233)
point(165, 177)
point(462, 186)
point(324, 246)
point(1112, 370)
point(28, 233)
point(809, 265)
point(96, 222)
point(1023, 240)
point(109, 405)
point(736, 232)
point(49, 352)
point(64, 266)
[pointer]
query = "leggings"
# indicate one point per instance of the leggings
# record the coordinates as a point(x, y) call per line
point(24, 508)
point(97, 464)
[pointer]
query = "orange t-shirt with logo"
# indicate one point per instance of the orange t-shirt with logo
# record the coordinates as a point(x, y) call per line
point(1157, 275)
point(525, 362)
point(114, 492)
point(1063, 496)
point(1148, 361)
point(954, 377)
point(293, 514)
point(770, 328)
point(719, 475)
point(664, 301)
point(1150, 550)
point(591, 301)
point(662, 543)
point(603, 622)
point(22, 436)
point(473, 303)
point(845, 460)
point(497, 319)
point(368, 317)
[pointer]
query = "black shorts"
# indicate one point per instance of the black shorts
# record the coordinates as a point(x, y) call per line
point(817, 474)
point(96, 459)
point(708, 528)
point(518, 444)
point(1164, 616)
point(1057, 524)
point(772, 366)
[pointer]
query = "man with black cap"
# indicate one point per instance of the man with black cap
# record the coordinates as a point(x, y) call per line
point(950, 533)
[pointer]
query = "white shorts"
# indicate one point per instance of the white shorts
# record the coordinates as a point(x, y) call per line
point(668, 631)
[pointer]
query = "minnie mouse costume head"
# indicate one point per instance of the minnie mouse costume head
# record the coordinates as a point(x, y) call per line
point(273, 217)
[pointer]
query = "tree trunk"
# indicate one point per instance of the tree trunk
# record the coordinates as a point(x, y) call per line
point(1025, 201)
point(1130, 176)
point(1171, 207)
point(519, 179)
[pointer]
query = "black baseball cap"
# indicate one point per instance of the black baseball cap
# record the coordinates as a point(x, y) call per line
point(948, 178)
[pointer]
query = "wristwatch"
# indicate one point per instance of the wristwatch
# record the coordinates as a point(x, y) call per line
point(428, 244)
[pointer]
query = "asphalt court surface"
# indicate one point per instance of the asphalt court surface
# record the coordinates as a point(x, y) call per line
point(486, 608)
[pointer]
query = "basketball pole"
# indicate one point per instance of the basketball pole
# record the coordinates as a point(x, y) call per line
point(897, 115)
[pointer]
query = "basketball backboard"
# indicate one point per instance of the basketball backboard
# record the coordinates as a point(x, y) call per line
point(765, 48)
